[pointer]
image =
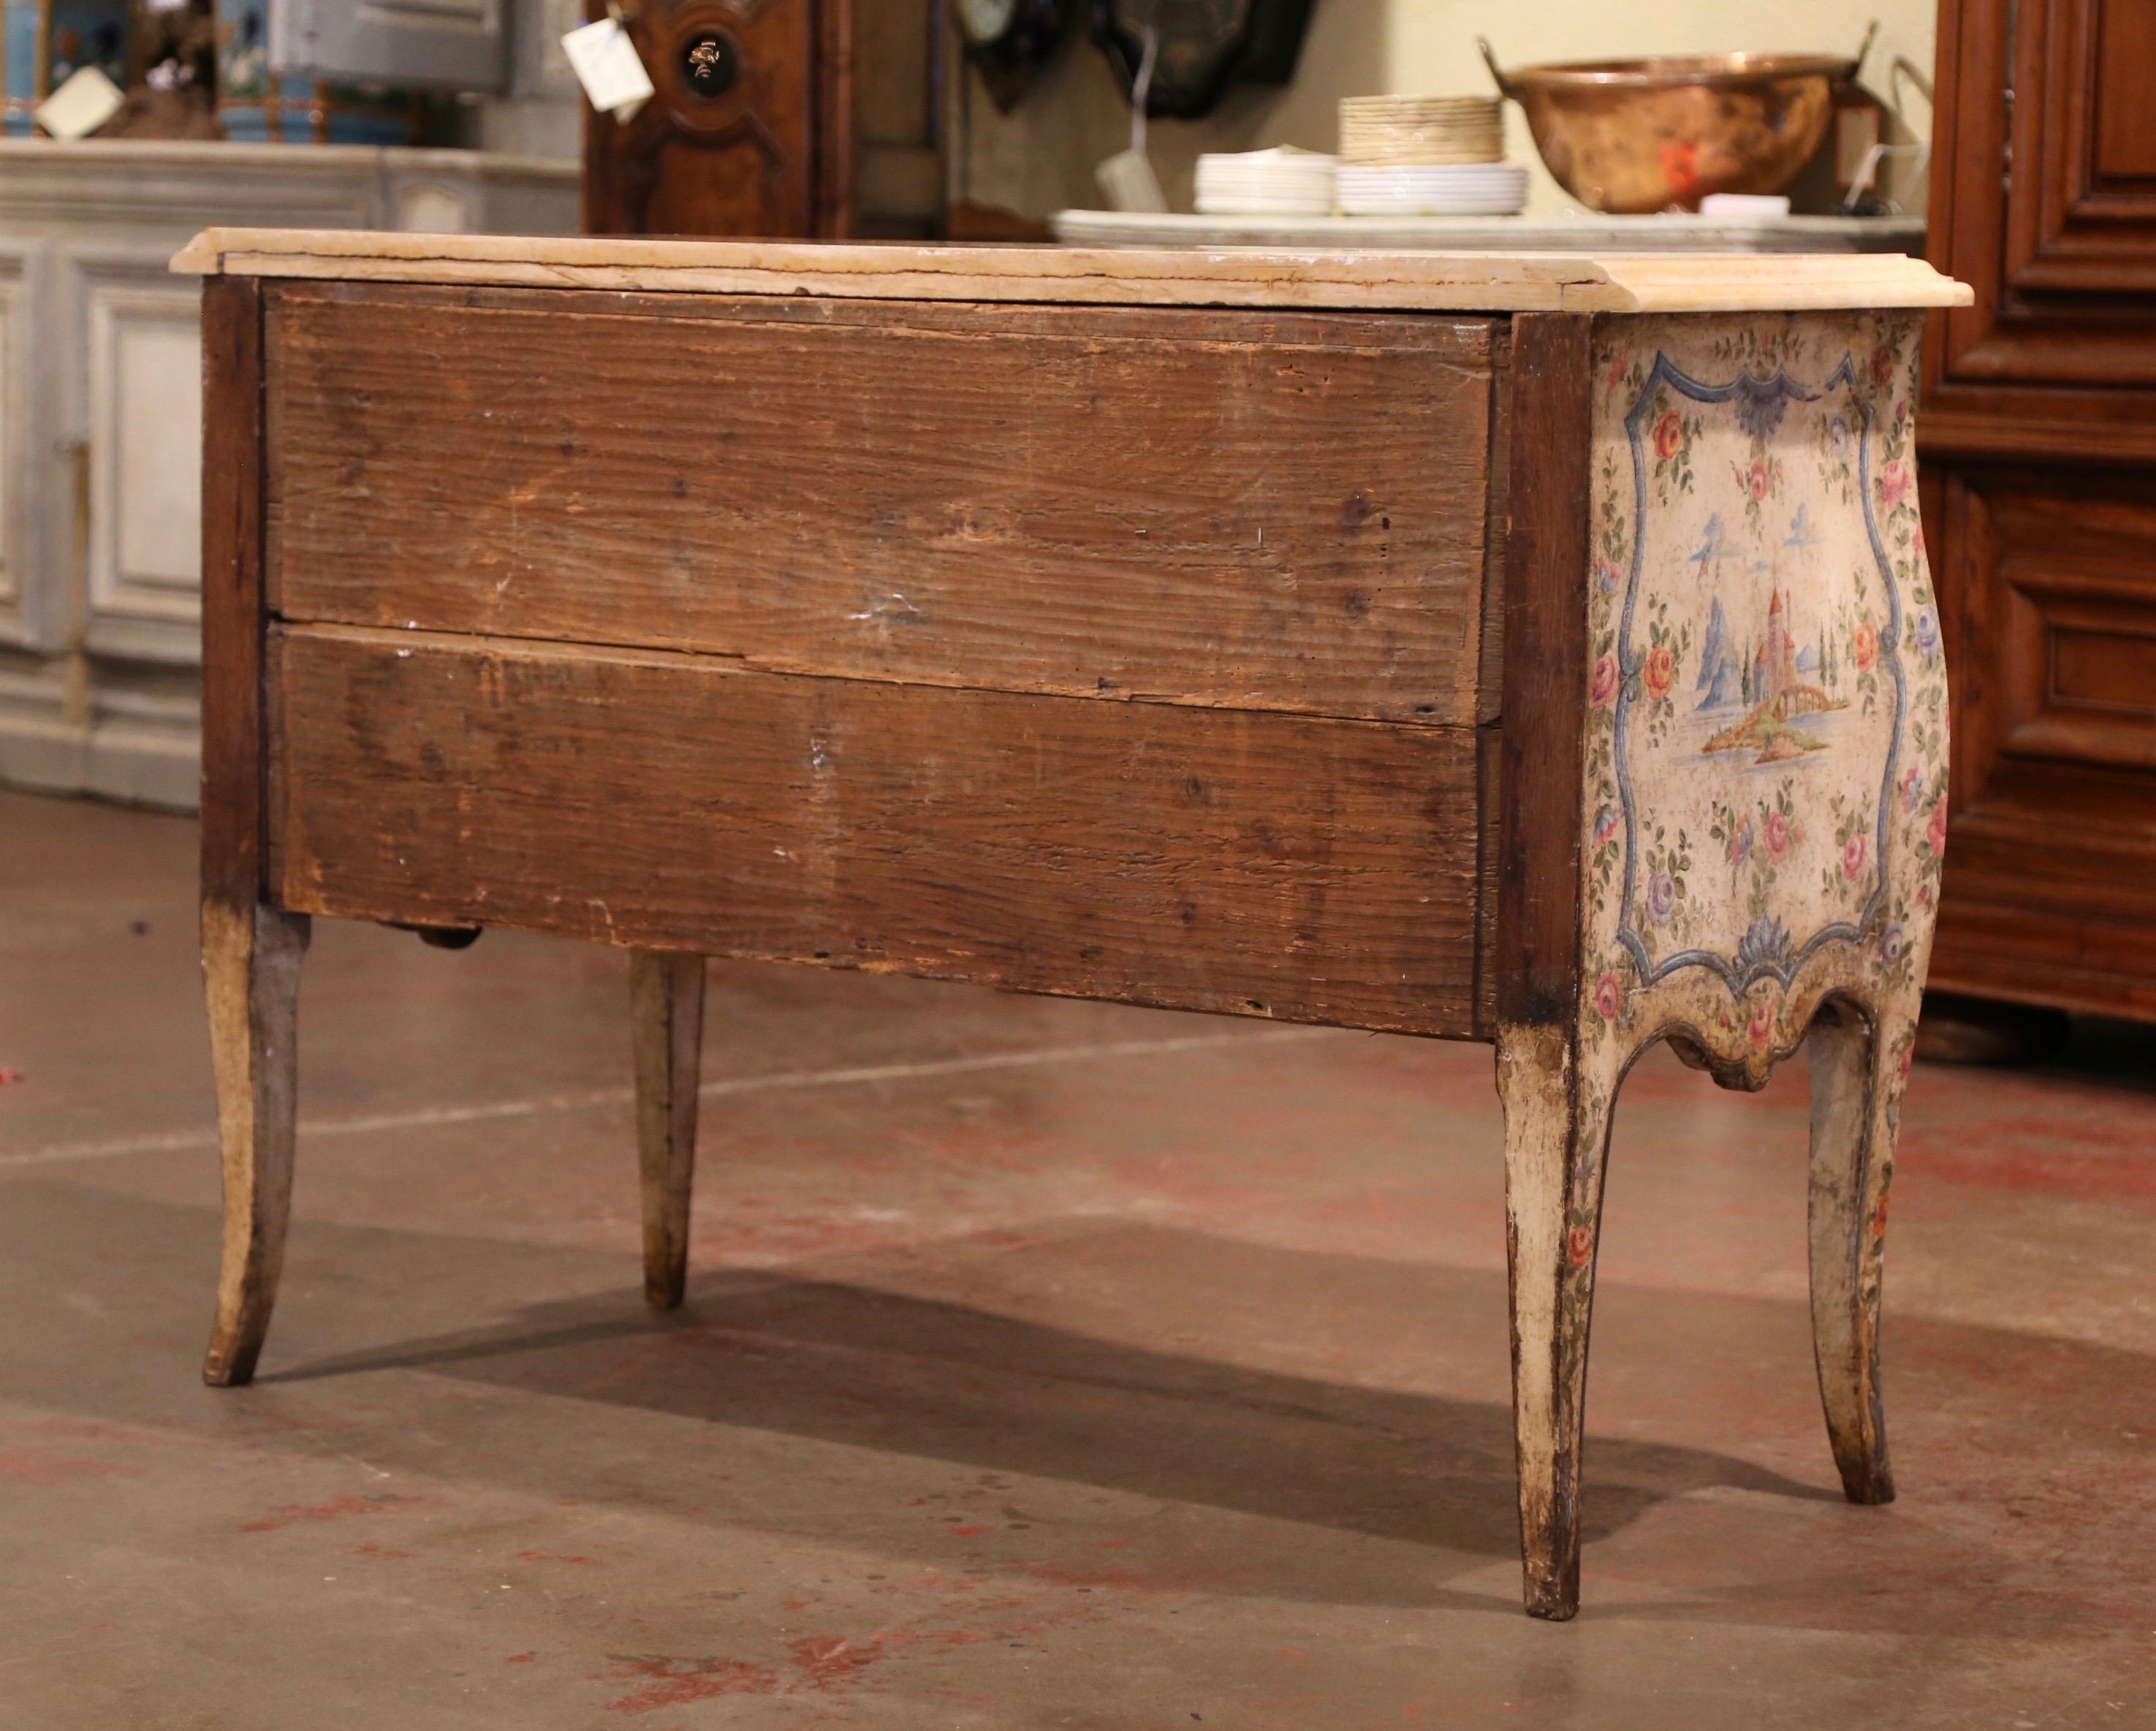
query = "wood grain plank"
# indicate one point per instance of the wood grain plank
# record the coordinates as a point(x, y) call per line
point(1545, 648)
point(1308, 869)
point(1183, 507)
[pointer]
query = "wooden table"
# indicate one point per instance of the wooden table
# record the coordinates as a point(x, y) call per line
point(1530, 649)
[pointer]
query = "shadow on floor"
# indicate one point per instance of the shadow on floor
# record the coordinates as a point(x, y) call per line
point(874, 1369)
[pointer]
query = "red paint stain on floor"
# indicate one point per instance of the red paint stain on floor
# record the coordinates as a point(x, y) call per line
point(42, 1467)
point(682, 1683)
point(825, 1660)
point(2106, 1165)
point(336, 1508)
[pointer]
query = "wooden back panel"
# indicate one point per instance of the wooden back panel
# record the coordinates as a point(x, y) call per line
point(1236, 509)
point(1309, 869)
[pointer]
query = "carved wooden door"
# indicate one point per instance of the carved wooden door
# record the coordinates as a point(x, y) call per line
point(749, 131)
point(2039, 438)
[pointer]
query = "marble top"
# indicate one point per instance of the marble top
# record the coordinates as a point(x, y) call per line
point(1283, 278)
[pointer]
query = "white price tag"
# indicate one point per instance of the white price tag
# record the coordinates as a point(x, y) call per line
point(85, 102)
point(607, 66)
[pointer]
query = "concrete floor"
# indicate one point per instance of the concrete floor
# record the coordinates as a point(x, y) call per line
point(1046, 1365)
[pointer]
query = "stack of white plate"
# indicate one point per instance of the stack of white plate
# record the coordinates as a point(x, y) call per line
point(1459, 189)
point(1391, 132)
point(1282, 183)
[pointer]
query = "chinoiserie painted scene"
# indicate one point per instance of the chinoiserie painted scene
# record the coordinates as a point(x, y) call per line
point(1766, 747)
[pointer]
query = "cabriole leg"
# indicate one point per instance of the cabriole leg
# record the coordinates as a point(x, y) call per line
point(251, 976)
point(1555, 1136)
point(1858, 1067)
point(667, 1012)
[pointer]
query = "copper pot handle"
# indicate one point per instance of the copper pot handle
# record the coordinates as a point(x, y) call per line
point(1505, 86)
point(1863, 48)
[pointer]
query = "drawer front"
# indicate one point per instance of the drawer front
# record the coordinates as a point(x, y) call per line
point(1224, 509)
point(1307, 868)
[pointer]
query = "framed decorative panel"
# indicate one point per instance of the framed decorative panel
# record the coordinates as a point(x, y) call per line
point(141, 417)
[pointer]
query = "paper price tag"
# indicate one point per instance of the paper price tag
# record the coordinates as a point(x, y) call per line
point(85, 102)
point(607, 66)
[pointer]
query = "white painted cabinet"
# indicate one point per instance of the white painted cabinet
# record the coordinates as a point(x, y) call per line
point(100, 417)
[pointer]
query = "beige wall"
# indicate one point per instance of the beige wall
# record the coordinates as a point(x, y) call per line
point(1040, 157)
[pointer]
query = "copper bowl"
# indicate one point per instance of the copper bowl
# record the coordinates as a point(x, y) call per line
point(1632, 137)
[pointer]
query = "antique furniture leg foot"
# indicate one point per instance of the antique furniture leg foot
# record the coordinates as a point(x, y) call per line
point(1554, 1156)
point(1858, 1065)
point(251, 976)
point(666, 1011)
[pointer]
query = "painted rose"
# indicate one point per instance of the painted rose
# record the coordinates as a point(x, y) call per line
point(1604, 688)
point(1778, 835)
point(1740, 842)
point(1912, 787)
point(1895, 482)
point(1864, 647)
point(1917, 544)
point(1935, 832)
point(1606, 575)
point(1852, 857)
point(1883, 364)
point(1928, 634)
point(1761, 1027)
point(1609, 997)
point(1605, 825)
point(1578, 1246)
point(1757, 480)
point(1908, 1059)
point(1659, 671)
point(1879, 1218)
point(1661, 896)
point(1669, 436)
point(1618, 364)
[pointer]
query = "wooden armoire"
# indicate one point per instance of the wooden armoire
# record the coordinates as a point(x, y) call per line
point(780, 118)
point(2038, 441)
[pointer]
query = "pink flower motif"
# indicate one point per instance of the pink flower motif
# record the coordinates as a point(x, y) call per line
point(1659, 671)
point(1912, 787)
point(1864, 646)
point(1908, 1058)
point(1761, 1027)
point(1604, 688)
point(1883, 364)
point(1895, 482)
point(1618, 363)
point(1605, 825)
point(1852, 857)
point(1778, 835)
point(1578, 1246)
point(1756, 480)
point(1740, 842)
point(1935, 832)
point(1609, 997)
point(1669, 436)
point(1606, 576)
point(1918, 544)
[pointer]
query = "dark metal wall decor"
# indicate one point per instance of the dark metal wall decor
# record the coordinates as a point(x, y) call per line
point(1205, 45)
point(1008, 41)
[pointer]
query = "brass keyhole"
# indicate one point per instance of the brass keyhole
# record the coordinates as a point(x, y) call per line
point(711, 63)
